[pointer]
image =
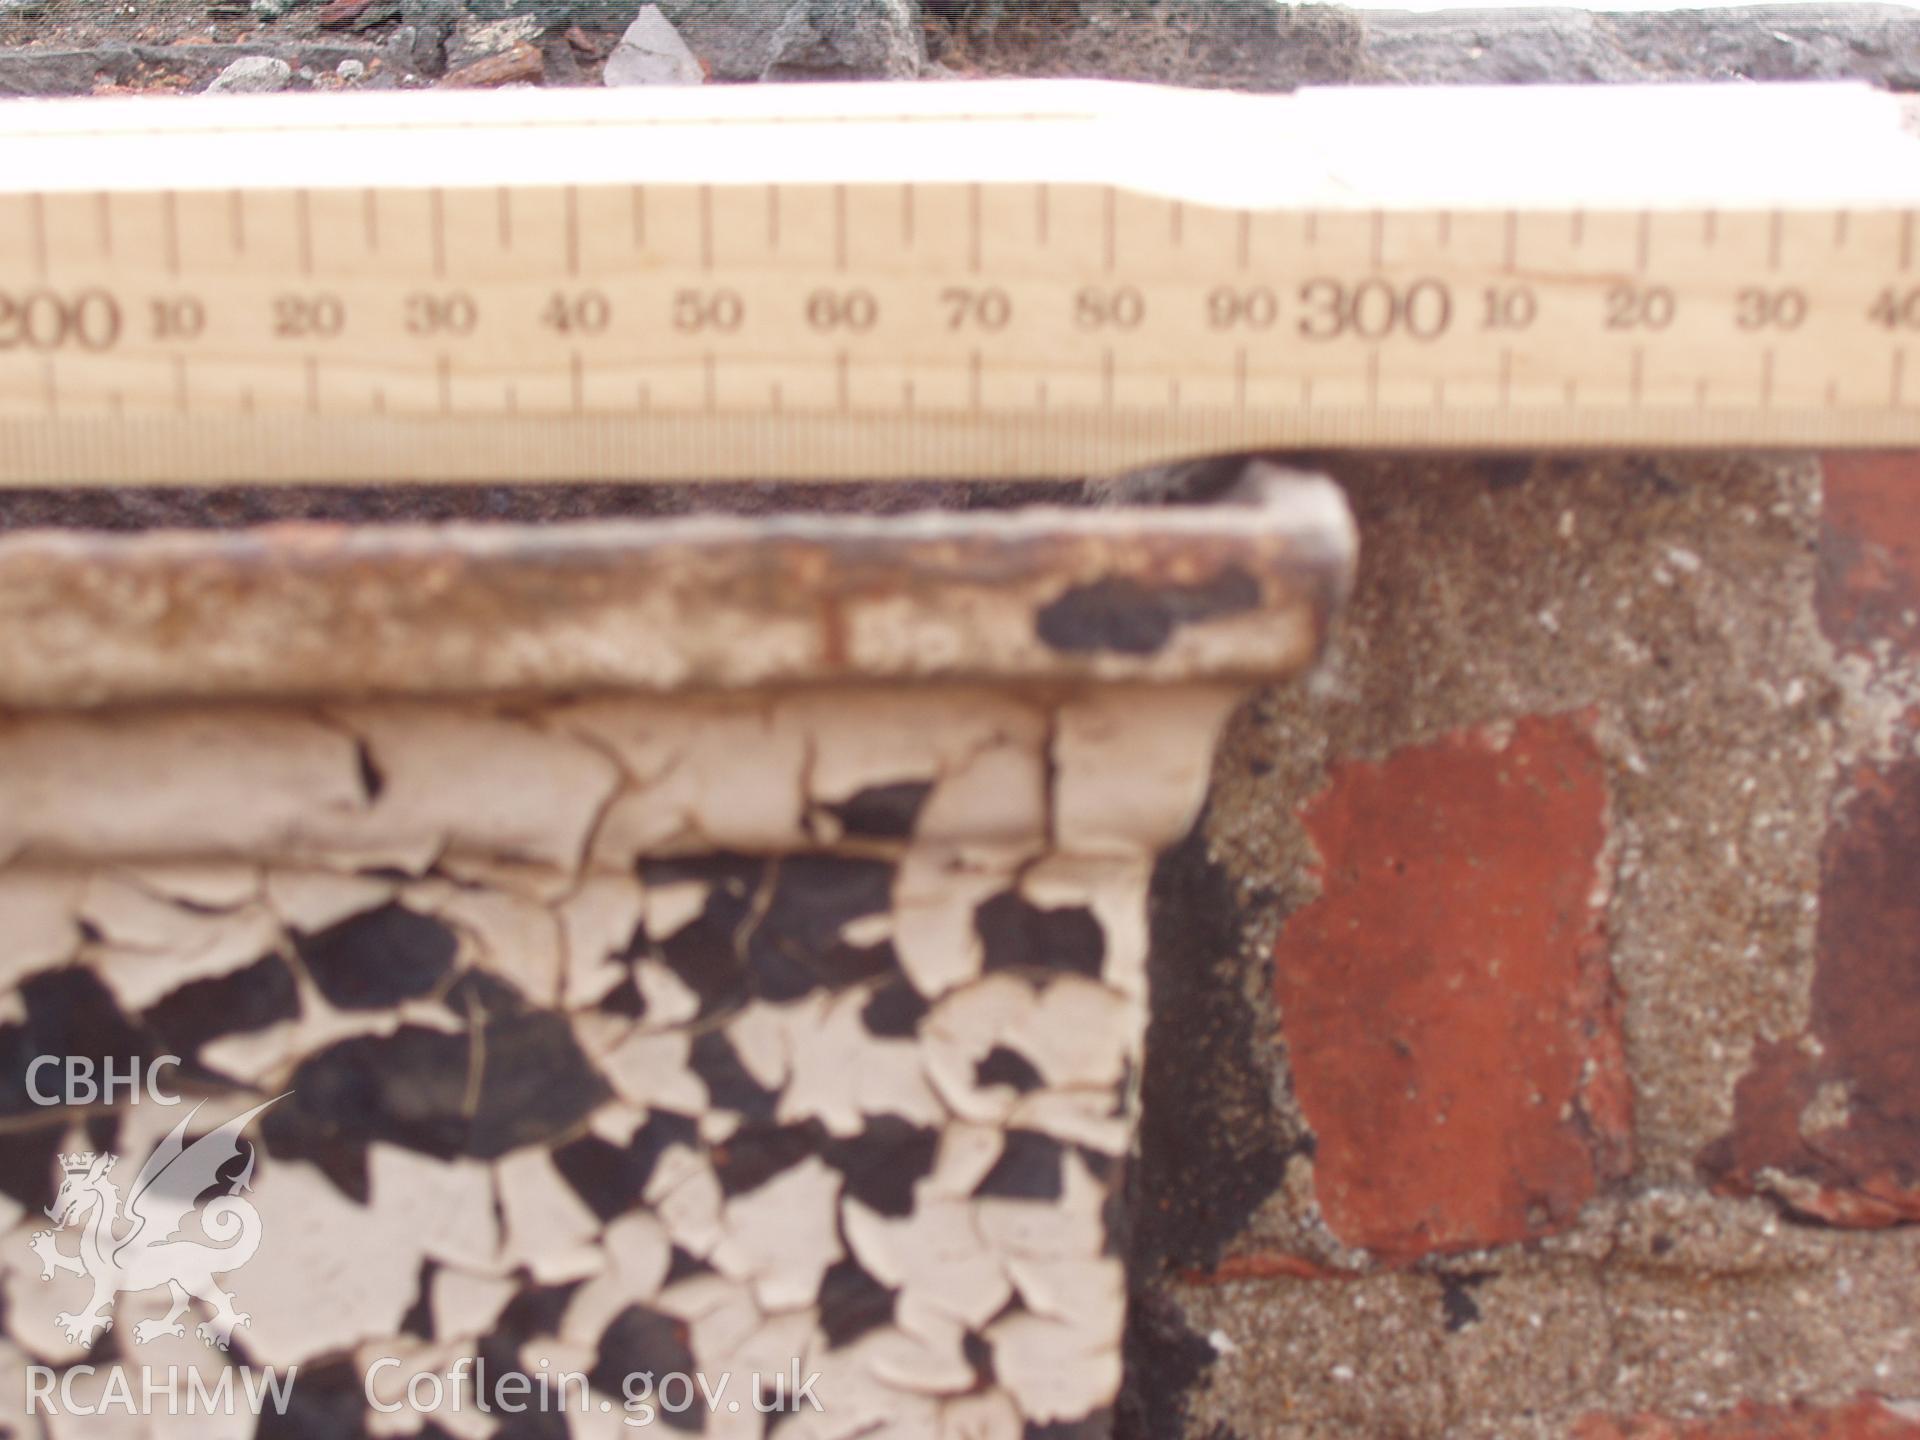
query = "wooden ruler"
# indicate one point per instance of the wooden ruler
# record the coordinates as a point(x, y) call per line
point(966, 279)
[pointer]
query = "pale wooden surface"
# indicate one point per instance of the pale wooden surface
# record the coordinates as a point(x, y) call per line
point(994, 279)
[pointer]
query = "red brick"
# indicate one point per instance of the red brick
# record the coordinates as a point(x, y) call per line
point(1865, 1419)
point(1864, 1021)
point(339, 13)
point(522, 63)
point(1447, 1004)
point(1869, 580)
point(1859, 1047)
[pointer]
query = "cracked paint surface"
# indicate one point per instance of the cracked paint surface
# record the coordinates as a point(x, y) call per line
point(714, 1034)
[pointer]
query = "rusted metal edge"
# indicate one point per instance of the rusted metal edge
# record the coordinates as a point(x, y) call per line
point(1239, 591)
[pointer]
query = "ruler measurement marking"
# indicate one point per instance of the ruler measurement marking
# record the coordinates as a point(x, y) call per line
point(1712, 227)
point(37, 225)
point(170, 230)
point(841, 382)
point(1042, 220)
point(1840, 221)
point(1177, 223)
point(637, 215)
point(1506, 376)
point(1106, 378)
point(1899, 378)
point(370, 219)
point(1642, 242)
point(709, 383)
point(706, 227)
point(772, 198)
point(973, 229)
point(1637, 373)
point(1443, 229)
point(1377, 239)
point(1243, 240)
point(180, 383)
point(1906, 241)
point(237, 221)
point(1240, 380)
point(973, 381)
point(1766, 378)
point(303, 229)
point(442, 369)
point(103, 222)
point(907, 206)
point(840, 228)
point(503, 217)
point(1579, 228)
point(573, 231)
point(1510, 242)
point(1109, 229)
point(577, 381)
point(50, 382)
point(313, 385)
point(437, 211)
point(1775, 239)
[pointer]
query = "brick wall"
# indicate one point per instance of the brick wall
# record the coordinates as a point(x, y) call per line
point(1538, 1048)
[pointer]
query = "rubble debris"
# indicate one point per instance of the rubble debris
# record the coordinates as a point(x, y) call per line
point(652, 53)
point(802, 39)
point(338, 14)
point(523, 64)
point(472, 40)
point(252, 75)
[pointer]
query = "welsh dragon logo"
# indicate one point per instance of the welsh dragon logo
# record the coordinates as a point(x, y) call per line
point(132, 1248)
